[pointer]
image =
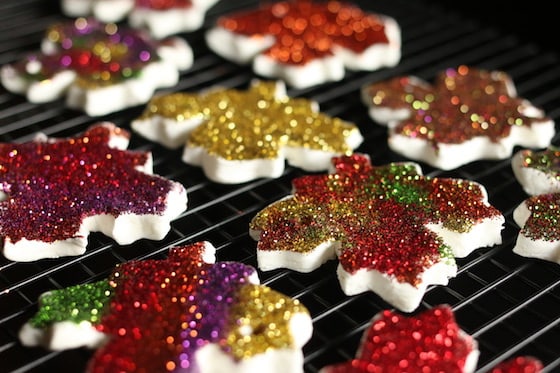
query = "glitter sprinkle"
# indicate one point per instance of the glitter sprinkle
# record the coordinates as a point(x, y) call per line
point(378, 215)
point(430, 341)
point(51, 185)
point(159, 313)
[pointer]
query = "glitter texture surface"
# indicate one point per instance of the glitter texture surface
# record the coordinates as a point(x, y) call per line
point(163, 4)
point(428, 342)
point(463, 103)
point(305, 30)
point(546, 161)
point(253, 124)
point(160, 312)
point(377, 214)
point(520, 364)
point(51, 185)
point(544, 218)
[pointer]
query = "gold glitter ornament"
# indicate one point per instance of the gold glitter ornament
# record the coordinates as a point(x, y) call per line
point(253, 129)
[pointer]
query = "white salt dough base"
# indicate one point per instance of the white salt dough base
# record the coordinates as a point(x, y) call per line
point(163, 23)
point(168, 132)
point(531, 248)
point(175, 57)
point(243, 49)
point(226, 171)
point(62, 335)
point(532, 180)
point(103, 10)
point(451, 156)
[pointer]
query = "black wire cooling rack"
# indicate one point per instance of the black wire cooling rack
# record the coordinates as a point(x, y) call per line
point(510, 304)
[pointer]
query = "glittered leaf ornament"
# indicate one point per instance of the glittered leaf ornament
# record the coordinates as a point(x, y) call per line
point(100, 67)
point(184, 313)
point(55, 191)
point(394, 231)
point(237, 136)
point(539, 236)
point(431, 341)
point(538, 172)
point(306, 42)
point(467, 114)
point(160, 17)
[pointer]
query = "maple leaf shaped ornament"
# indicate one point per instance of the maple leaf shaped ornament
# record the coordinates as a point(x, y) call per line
point(538, 172)
point(183, 313)
point(394, 231)
point(237, 136)
point(468, 114)
point(56, 191)
point(99, 67)
point(160, 18)
point(430, 341)
point(306, 43)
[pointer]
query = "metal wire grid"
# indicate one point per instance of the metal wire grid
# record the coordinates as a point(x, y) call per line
point(511, 305)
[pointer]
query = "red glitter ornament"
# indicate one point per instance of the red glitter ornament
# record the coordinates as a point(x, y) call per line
point(431, 341)
point(306, 42)
point(58, 190)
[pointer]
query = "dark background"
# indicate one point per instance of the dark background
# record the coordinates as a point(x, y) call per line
point(534, 21)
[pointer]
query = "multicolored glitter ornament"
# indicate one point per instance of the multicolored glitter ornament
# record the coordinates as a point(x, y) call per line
point(538, 172)
point(100, 67)
point(431, 341)
point(306, 43)
point(185, 313)
point(161, 18)
point(394, 231)
point(237, 136)
point(468, 114)
point(539, 219)
point(56, 191)
point(539, 215)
